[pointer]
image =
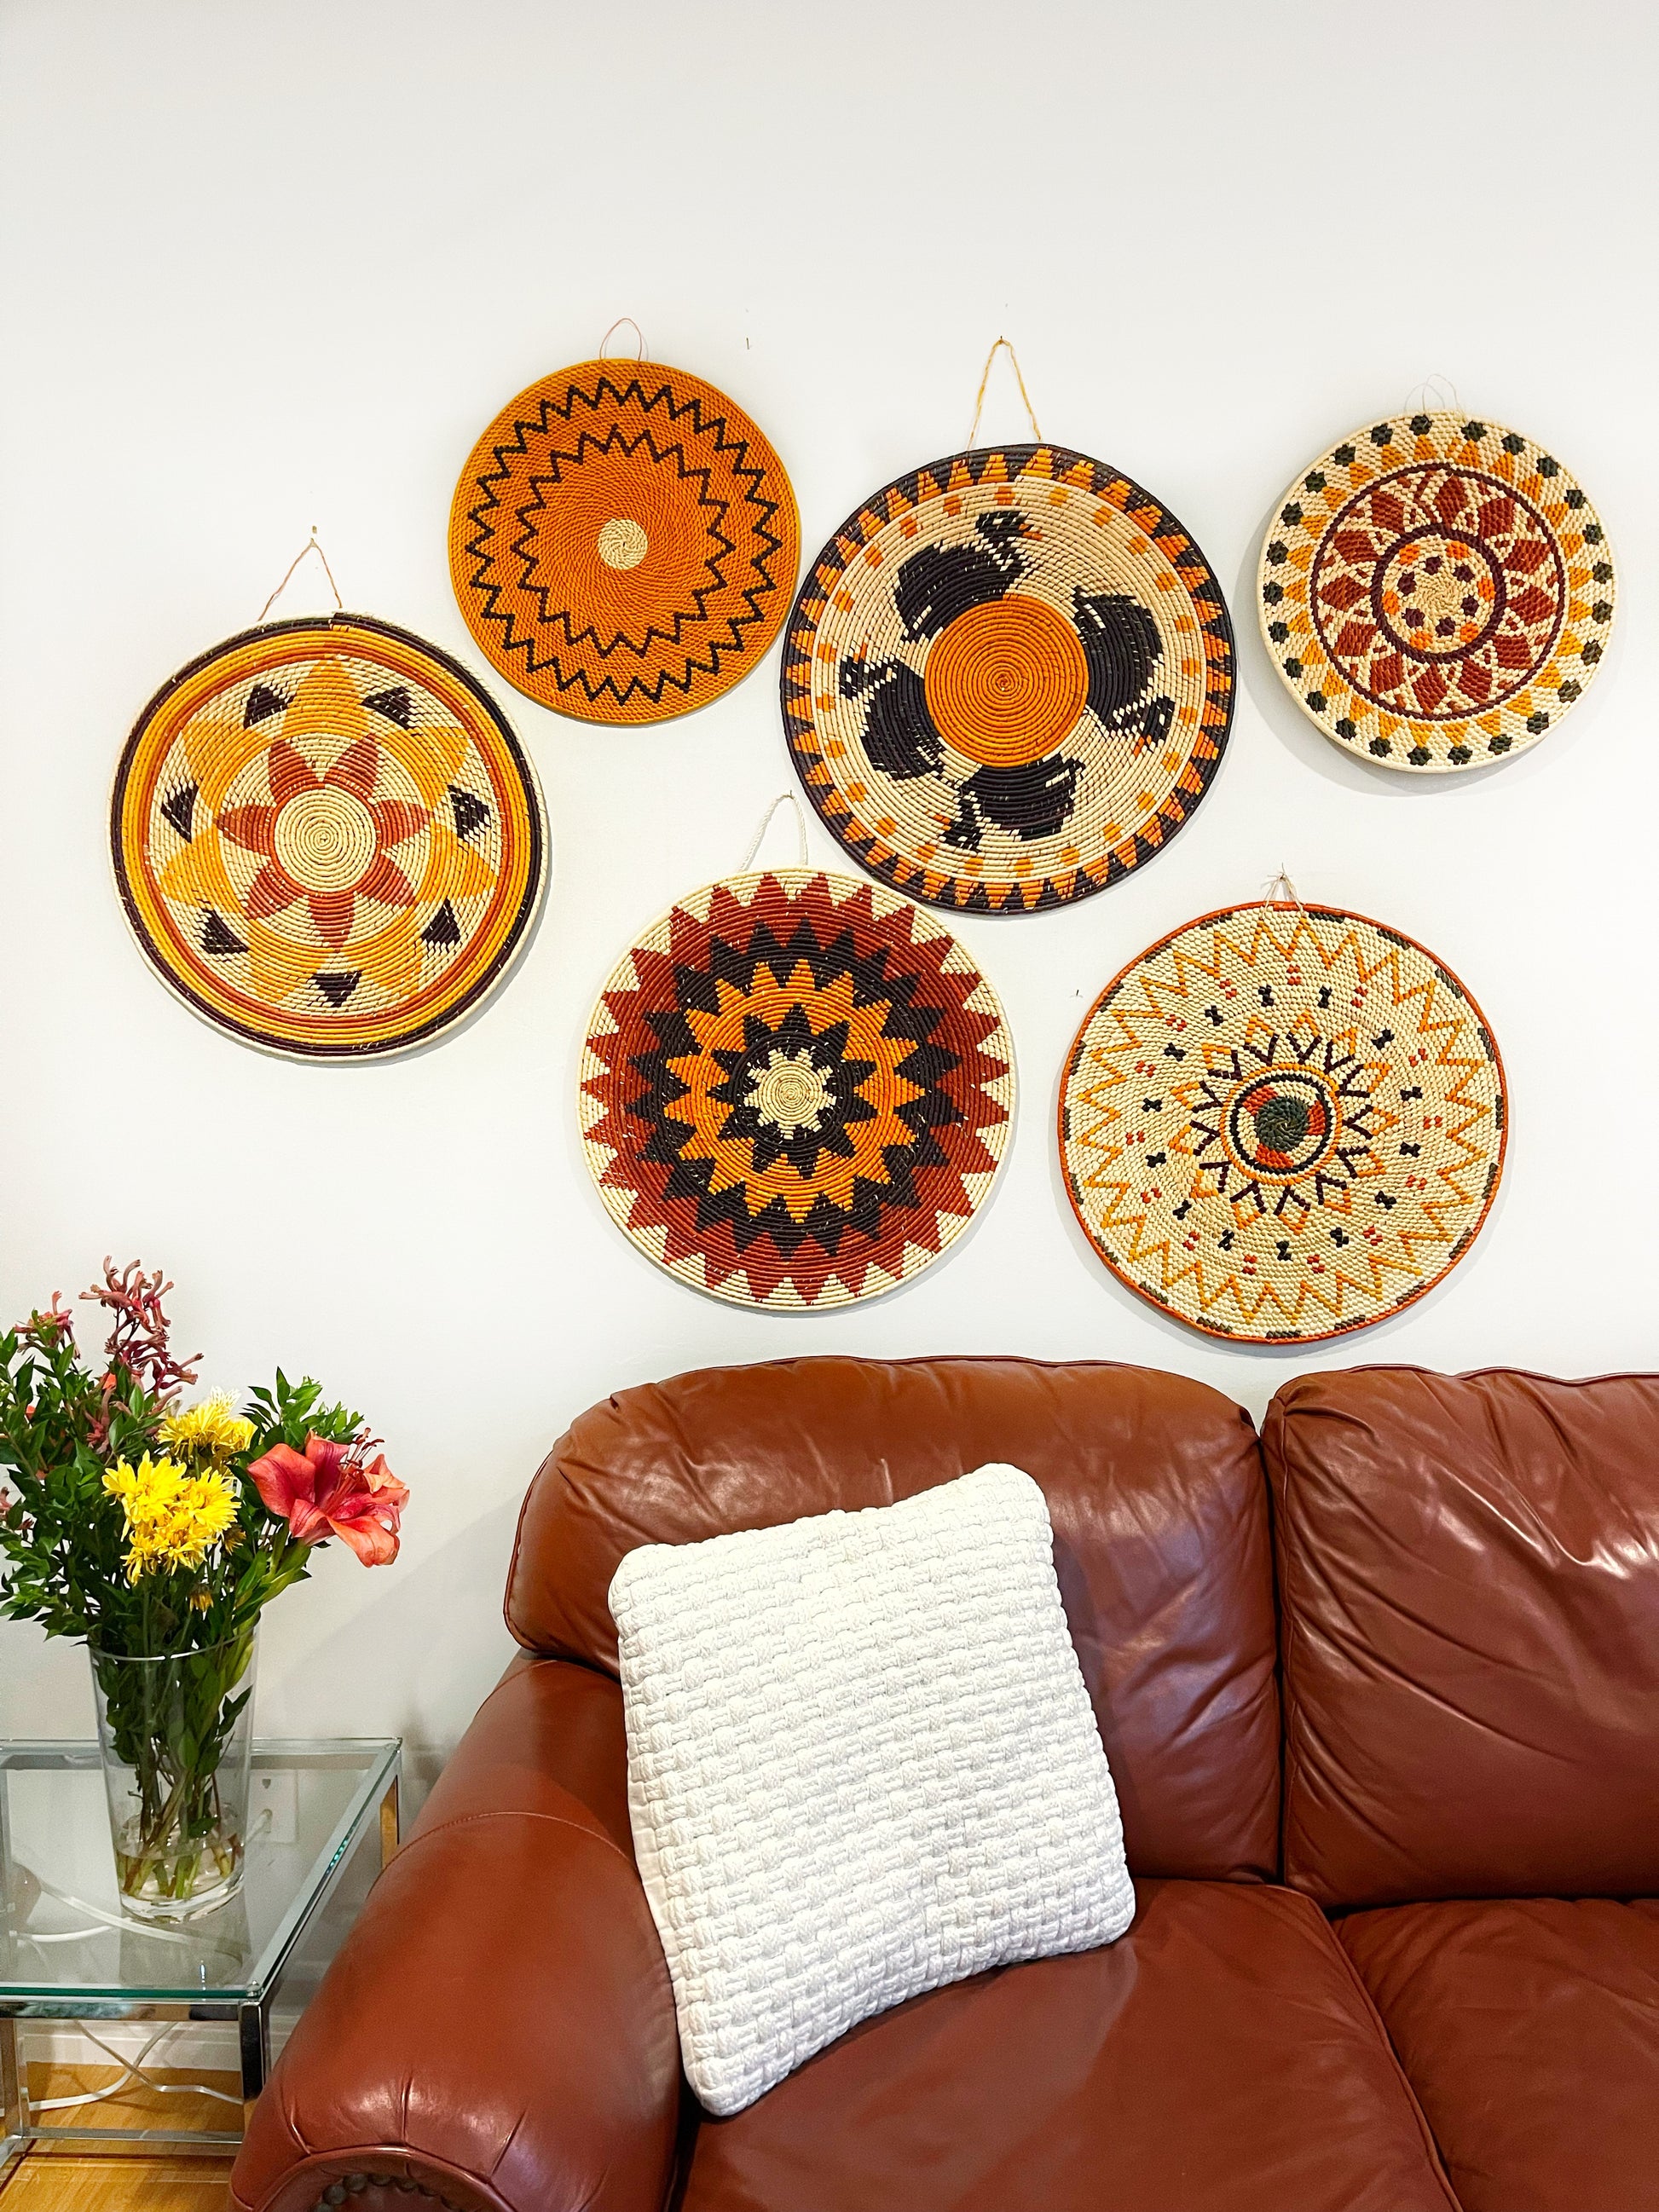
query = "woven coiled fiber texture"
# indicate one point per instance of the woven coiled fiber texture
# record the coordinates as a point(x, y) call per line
point(796, 1090)
point(1283, 1123)
point(1008, 679)
point(326, 838)
point(624, 542)
point(1436, 591)
point(862, 1762)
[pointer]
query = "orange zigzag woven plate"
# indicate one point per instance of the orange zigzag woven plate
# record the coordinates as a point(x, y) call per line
point(1283, 1123)
point(1008, 679)
point(624, 542)
point(326, 839)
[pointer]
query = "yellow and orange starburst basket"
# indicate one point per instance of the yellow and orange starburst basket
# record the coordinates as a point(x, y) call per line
point(326, 839)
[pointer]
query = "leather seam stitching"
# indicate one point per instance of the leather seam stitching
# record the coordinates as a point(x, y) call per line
point(539, 1658)
point(517, 1813)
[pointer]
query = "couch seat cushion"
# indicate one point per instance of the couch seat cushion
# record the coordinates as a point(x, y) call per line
point(1220, 2058)
point(1530, 2031)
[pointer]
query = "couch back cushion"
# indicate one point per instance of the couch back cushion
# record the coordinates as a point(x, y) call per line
point(1154, 1486)
point(1469, 1571)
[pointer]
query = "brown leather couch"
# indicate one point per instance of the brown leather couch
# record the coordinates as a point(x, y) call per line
point(1395, 1835)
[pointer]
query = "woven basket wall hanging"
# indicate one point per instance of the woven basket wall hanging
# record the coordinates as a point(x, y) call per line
point(1436, 591)
point(1283, 1123)
point(326, 838)
point(796, 1090)
point(624, 542)
point(1008, 677)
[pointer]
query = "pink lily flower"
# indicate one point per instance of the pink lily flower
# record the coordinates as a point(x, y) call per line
point(325, 1492)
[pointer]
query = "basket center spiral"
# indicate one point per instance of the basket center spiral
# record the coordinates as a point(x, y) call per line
point(623, 543)
point(325, 839)
point(1283, 1124)
point(1006, 681)
point(791, 1094)
point(1439, 595)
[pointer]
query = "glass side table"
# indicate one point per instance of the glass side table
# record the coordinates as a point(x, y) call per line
point(323, 1822)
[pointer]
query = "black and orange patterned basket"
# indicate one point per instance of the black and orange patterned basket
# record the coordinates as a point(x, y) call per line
point(796, 1091)
point(1008, 679)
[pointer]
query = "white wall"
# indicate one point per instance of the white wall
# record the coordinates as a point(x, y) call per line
point(268, 265)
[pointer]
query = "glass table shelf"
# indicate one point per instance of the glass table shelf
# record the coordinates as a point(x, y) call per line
point(323, 1822)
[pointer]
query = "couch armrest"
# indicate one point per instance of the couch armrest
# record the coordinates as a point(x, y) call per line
point(498, 2028)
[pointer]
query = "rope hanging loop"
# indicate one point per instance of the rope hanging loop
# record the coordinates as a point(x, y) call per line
point(640, 351)
point(985, 378)
point(1437, 391)
point(783, 799)
point(310, 546)
point(1280, 891)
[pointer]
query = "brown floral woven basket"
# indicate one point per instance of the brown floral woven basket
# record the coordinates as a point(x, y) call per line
point(1436, 591)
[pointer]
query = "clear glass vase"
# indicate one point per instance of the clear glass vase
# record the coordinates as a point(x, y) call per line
point(176, 1736)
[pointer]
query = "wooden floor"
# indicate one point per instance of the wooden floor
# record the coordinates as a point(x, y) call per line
point(81, 2178)
point(101, 2181)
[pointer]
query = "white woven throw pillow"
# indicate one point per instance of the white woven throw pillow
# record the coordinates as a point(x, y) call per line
point(861, 1762)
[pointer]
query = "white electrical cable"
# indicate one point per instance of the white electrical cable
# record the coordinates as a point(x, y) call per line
point(121, 1921)
point(162, 2089)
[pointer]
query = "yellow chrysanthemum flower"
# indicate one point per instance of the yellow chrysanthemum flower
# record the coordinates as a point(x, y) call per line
point(173, 1519)
point(209, 1432)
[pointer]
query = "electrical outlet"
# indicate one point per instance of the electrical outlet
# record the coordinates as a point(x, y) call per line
point(273, 1805)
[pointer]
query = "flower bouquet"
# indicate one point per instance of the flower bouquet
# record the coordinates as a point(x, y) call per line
point(158, 1532)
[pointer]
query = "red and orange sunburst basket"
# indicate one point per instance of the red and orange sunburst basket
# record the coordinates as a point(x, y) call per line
point(796, 1091)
